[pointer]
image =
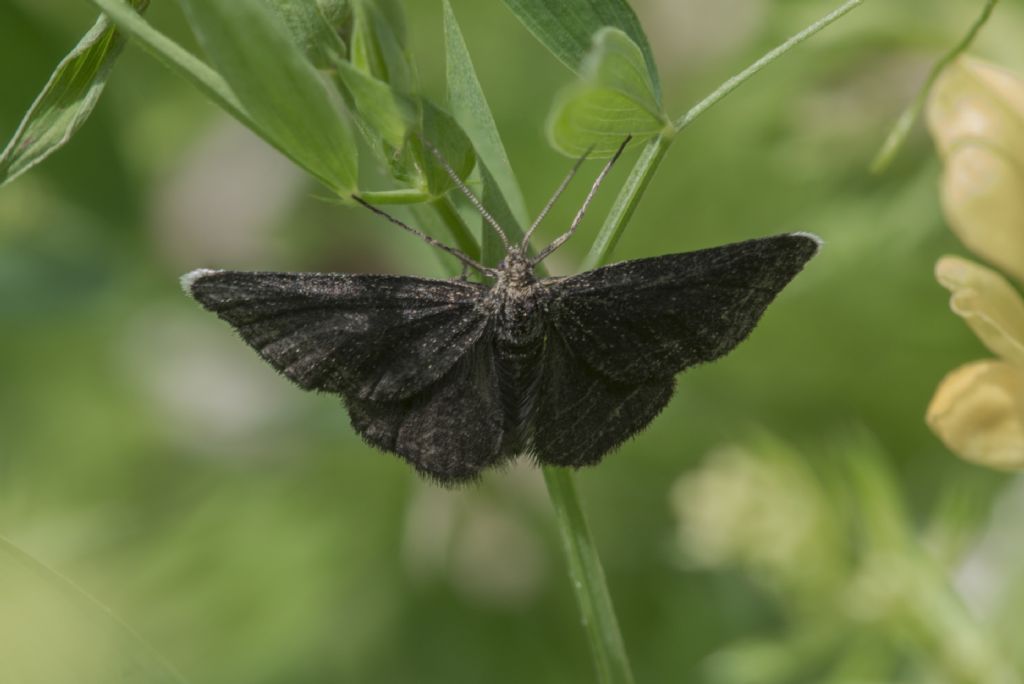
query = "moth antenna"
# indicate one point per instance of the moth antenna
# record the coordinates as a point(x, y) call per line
point(474, 200)
point(551, 202)
point(559, 241)
point(458, 254)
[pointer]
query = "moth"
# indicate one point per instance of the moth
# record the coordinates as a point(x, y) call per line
point(456, 376)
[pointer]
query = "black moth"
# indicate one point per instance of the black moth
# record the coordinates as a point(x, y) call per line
point(457, 376)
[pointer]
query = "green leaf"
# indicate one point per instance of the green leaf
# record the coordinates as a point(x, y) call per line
point(177, 59)
point(189, 67)
point(469, 107)
point(66, 100)
point(378, 44)
point(613, 98)
point(382, 111)
point(314, 26)
point(493, 198)
point(280, 88)
point(418, 164)
point(566, 27)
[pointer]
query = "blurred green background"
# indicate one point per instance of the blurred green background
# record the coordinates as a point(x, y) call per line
point(241, 527)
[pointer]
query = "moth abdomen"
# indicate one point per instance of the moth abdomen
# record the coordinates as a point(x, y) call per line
point(519, 370)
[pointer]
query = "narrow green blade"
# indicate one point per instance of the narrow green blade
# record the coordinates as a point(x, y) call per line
point(66, 100)
point(469, 107)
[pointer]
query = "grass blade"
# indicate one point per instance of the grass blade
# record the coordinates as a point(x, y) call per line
point(469, 107)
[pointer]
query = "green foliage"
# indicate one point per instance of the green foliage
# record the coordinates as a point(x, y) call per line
point(278, 86)
point(386, 114)
point(501, 193)
point(614, 97)
point(568, 28)
point(469, 107)
point(211, 83)
point(66, 100)
point(315, 27)
point(378, 44)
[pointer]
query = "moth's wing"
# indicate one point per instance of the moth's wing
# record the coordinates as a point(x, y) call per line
point(451, 431)
point(642, 320)
point(366, 336)
point(582, 415)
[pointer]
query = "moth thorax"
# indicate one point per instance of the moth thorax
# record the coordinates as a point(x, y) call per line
point(515, 271)
point(520, 318)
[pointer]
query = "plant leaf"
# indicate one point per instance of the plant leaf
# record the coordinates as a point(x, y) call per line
point(469, 107)
point(614, 97)
point(179, 60)
point(314, 27)
point(378, 44)
point(282, 91)
point(189, 67)
point(492, 251)
point(66, 100)
point(566, 27)
point(440, 129)
point(381, 110)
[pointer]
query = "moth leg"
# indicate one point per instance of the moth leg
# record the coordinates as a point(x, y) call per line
point(582, 416)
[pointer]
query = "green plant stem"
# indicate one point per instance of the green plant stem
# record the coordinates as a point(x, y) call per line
point(92, 606)
point(588, 580)
point(769, 57)
point(639, 178)
point(627, 201)
point(894, 141)
point(400, 196)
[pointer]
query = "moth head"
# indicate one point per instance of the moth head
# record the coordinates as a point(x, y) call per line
point(516, 267)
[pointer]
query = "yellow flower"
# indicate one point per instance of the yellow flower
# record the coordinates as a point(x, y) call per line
point(976, 115)
point(978, 409)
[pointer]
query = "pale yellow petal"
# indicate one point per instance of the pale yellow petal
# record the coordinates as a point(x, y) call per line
point(983, 198)
point(978, 412)
point(977, 100)
point(988, 303)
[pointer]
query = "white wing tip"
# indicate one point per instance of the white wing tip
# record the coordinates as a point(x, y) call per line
point(817, 239)
point(190, 278)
